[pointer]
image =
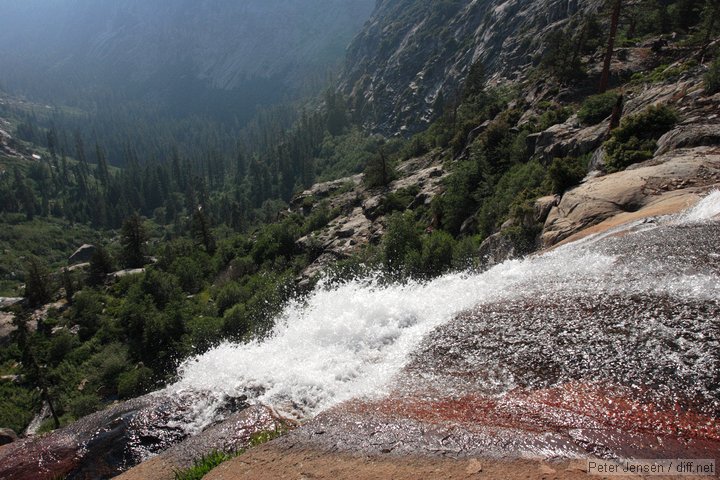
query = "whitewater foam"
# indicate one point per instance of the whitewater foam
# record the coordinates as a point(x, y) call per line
point(706, 209)
point(350, 340)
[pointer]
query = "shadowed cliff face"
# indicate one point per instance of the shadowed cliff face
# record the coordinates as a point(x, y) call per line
point(412, 56)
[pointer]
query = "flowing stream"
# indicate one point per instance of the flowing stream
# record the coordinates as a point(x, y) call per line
point(353, 340)
point(608, 346)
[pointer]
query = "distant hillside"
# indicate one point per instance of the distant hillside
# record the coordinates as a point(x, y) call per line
point(184, 54)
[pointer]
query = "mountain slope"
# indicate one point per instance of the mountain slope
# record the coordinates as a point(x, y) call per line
point(154, 49)
point(412, 57)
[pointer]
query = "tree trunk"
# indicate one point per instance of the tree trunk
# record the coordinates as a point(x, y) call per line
point(614, 20)
point(616, 115)
point(46, 396)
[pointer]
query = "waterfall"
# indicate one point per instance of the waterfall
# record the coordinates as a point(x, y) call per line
point(352, 340)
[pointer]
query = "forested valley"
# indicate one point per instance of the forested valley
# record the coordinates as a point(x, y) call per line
point(195, 221)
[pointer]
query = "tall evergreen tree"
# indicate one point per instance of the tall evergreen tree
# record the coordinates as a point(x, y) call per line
point(133, 238)
point(614, 21)
point(38, 287)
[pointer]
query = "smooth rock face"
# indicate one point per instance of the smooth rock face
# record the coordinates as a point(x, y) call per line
point(569, 139)
point(92, 447)
point(108, 442)
point(686, 136)
point(231, 435)
point(543, 205)
point(693, 170)
point(398, 71)
point(554, 372)
point(496, 249)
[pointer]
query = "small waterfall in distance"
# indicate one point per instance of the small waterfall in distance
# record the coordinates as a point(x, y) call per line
point(352, 340)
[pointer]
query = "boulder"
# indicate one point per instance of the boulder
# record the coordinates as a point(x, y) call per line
point(686, 136)
point(114, 276)
point(10, 301)
point(543, 205)
point(568, 139)
point(631, 190)
point(372, 207)
point(496, 249)
point(7, 435)
point(597, 161)
point(82, 254)
point(326, 189)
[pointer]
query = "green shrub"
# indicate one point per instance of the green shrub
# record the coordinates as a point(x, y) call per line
point(465, 252)
point(519, 183)
point(712, 78)
point(61, 345)
point(635, 139)
point(379, 171)
point(275, 240)
point(434, 257)
point(565, 173)
point(458, 202)
point(229, 295)
point(86, 313)
point(319, 218)
point(236, 321)
point(205, 332)
point(164, 288)
point(189, 274)
point(552, 115)
point(400, 200)
point(84, 404)
point(597, 107)
point(17, 406)
point(258, 438)
point(402, 237)
point(135, 382)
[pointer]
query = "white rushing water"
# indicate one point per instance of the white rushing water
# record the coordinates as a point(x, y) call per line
point(707, 209)
point(350, 340)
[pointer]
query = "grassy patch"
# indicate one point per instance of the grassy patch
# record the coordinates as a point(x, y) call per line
point(203, 465)
point(207, 462)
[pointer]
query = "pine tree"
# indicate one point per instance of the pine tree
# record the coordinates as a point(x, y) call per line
point(614, 20)
point(133, 238)
point(38, 288)
point(100, 265)
point(379, 172)
point(68, 283)
point(201, 230)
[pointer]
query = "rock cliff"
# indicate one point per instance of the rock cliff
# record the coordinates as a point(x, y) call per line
point(412, 56)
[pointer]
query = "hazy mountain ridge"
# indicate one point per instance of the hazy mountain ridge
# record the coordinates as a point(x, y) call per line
point(219, 43)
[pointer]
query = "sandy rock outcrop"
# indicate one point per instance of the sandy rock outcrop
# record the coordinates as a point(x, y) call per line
point(677, 174)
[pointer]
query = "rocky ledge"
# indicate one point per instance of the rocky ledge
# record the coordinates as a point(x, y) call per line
point(665, 184)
